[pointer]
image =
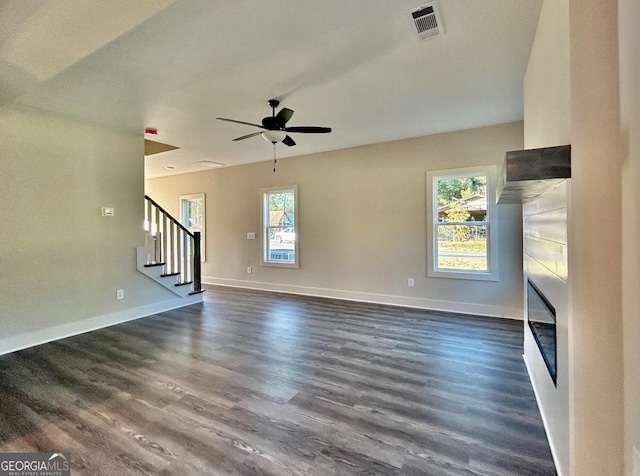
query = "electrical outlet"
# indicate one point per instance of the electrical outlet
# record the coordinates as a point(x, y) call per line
point(251, 236)
point(120, 294)
point(410, 282)
point(249, 270)
point(636, 462)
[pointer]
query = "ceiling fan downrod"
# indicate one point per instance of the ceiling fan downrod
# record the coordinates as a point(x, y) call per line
point(273, 103)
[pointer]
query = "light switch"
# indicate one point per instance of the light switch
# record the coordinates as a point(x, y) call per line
point(251, 236)
point(107, 211)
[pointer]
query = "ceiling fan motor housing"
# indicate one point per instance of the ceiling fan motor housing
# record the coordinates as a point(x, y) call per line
point(271, 123)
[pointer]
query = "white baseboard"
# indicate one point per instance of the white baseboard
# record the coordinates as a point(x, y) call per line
point(389, 299)
point(544, 419)
point(32, 339)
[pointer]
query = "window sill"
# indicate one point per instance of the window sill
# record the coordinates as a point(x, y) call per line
point(472, 276)
point(271, 264)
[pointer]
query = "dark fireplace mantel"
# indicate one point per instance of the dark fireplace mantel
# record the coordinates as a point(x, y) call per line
point(528, 173)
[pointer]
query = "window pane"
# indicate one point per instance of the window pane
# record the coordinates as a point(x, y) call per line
point(462, 247)
point(280, 231)
point(462, 199)
point(282, 244)
point(192, 217)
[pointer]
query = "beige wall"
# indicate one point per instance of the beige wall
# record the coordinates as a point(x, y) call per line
point(547, 98)
point(595, 343)
point(362, 225)
point(60, 261)
point(547, 122)
point(629, 39)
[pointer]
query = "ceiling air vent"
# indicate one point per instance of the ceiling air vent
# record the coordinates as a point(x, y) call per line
point(209, 163)
point(426, 20)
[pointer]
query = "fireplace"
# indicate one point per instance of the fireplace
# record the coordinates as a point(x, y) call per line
point(542, 322)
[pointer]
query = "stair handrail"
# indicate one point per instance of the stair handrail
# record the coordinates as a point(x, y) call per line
point(155, 204)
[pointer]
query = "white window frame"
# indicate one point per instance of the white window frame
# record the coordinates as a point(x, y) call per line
point(492, 229)
point(203, 241)
point(264, 207)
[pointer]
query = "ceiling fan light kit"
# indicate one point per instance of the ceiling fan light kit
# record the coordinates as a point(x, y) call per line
point(274, 136)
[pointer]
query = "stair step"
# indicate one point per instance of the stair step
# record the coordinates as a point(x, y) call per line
point(153, 272)
point(183, 284)
point(196, 292)
point(151, 265)
point(169, 274)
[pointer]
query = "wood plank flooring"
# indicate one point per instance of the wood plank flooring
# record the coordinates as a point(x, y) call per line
point(251, 383)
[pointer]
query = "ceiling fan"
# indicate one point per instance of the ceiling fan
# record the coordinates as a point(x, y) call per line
point(275, 126)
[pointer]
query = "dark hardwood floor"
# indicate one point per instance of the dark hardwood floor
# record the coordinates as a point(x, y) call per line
point(251, 383)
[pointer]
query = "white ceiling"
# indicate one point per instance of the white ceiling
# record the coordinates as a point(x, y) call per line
point(355, 66)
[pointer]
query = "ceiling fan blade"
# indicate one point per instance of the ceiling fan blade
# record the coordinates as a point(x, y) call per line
point(288, 141)
point(308, 129)
point(253, 134)
point(240, 122)
point(283, 116)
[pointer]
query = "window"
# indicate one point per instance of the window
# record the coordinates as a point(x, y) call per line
point(461, 223)
point(280, 226)
point(192, 217)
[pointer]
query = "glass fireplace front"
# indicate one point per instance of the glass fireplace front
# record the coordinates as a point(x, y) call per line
point(542, 322)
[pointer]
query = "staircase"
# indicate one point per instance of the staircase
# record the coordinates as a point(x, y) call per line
point(171, 255)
